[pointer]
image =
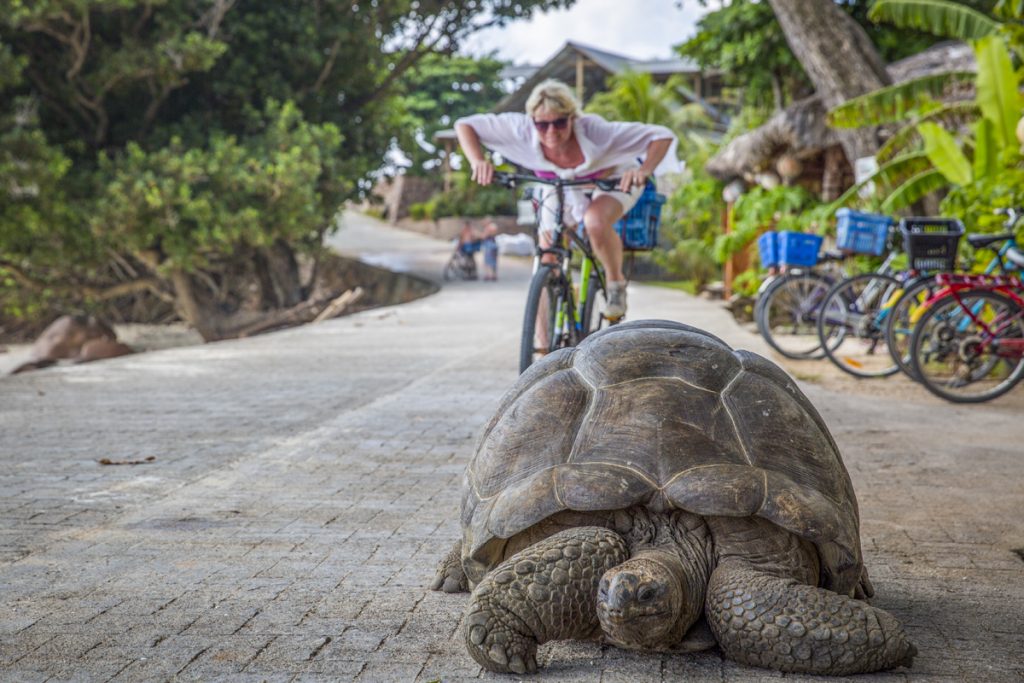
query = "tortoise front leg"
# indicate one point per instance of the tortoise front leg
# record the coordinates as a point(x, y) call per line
point(763, 620)
point(546, 592)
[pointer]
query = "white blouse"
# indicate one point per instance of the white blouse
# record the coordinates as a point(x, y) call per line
point(606, 145)
point(612, 146)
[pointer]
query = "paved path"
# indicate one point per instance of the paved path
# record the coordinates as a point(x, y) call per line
point(304, 484)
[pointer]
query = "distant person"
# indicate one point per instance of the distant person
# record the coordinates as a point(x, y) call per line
point(490, 249)
point(554, 139)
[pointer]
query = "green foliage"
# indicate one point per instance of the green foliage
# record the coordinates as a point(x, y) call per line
point(467, 198)
point(192, 204)
point(139, 137)
point(437, 91)
point(938, 17)
point(781, 208)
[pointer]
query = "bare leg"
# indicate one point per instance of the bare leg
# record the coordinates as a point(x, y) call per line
point(599, 220)
point(546, 592)
point(762, 620)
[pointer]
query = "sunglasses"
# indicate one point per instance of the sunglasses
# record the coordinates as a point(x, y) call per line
point(559, 124)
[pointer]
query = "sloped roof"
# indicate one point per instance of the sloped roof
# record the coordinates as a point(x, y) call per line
point(562, 66)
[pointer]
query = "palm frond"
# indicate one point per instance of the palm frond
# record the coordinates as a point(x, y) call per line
point(953, 115)
point(889, 175)
point(938, 17)
point(896, 102)
point(914, 189)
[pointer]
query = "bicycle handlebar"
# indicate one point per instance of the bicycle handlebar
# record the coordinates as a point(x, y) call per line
point(510, 180)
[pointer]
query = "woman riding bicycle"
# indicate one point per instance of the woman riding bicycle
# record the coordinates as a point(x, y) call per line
point(554, 139)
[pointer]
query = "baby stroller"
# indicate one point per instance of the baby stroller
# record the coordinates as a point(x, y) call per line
point(462, 264)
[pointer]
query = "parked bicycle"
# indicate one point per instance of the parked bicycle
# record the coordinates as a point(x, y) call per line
point(787, 305)
point(968, 346)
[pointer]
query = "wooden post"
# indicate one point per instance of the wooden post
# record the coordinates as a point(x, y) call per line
point(579, 77)
point(729, 272)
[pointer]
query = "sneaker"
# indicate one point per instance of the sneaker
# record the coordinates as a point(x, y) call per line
point(615, 308)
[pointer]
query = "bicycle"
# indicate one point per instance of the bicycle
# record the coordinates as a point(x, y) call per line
point(787, 305)
point(559, 313)
point(910, 306)
point(462, 264)
point(968, 346)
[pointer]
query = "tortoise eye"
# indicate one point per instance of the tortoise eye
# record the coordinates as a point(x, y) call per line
point(646, 594)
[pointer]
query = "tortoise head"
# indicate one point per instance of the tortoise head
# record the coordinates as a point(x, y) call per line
point(644, 603)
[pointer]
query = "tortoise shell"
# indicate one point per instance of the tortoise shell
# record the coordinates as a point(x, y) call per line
point(662, 415)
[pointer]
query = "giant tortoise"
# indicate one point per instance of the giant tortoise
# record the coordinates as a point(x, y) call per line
point(648, 478)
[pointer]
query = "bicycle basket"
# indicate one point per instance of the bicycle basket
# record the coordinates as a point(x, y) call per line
point(931, 243)
point(768, 249)
point(862, 233)
point(798, 248)
point(639, 227)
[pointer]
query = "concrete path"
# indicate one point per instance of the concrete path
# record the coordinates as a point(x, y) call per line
point(298, 488)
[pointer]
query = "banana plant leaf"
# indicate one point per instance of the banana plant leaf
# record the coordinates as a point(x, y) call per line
point(889, 175)
point(938, 17)
point(896, 102)
point(915, 188)
point(998, 95)
point(986, 153)
point(907, 138)
point(945, 153)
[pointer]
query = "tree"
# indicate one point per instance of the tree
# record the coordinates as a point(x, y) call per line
point(838, 57)
point(185, 155)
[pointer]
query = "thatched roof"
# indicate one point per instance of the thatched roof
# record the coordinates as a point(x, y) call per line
point(800, 130)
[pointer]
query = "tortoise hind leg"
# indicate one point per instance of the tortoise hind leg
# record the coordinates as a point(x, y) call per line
point(450, 576)
point(767, 621)
point(546, 592)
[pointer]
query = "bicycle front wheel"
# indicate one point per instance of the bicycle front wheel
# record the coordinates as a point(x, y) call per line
point(851, 326)
point(788, 315)
point(970, 352)
point(592, 319)
point(547, 319)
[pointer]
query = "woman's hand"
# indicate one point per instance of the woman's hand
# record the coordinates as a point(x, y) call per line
point(631, 178)
point(483, 171)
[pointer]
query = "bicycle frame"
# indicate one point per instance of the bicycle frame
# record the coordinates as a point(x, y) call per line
point(562, 242)
point(1010, 286)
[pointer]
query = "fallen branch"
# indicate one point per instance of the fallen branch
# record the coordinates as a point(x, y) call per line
point(144, 461)
point(338, 306)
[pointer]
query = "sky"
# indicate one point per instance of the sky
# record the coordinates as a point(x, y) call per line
point(641, 29)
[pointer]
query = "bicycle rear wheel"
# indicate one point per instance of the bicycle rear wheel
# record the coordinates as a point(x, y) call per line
point(902, 318)
point(851, 325)
point(788, 315)
point(967, 360)
point(547, 318)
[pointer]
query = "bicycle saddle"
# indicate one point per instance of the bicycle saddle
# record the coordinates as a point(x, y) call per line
point(980, 241)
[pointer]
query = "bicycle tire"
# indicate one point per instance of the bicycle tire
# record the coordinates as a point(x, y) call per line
point(547, 285)
point(593, 319)
point(851, 325)
point(947, 358)
point(787, 316)
point(904, 314)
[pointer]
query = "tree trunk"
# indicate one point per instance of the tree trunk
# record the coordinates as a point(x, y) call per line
point(839, 58)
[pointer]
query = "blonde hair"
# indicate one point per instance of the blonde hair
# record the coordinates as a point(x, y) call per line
point(556, 96)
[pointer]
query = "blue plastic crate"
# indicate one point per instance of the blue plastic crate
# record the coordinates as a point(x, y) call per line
point(862, 233)
point(798, 248)
point(639, 227)
point(768, 249)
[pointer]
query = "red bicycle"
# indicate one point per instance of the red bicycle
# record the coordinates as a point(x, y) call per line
point(968, 346)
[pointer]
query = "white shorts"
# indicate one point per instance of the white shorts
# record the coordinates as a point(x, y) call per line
point(576, 203)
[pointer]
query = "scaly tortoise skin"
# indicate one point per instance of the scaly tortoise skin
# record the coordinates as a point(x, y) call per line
point(657, 489)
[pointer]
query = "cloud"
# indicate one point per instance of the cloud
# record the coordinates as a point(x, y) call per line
point(643, 29)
